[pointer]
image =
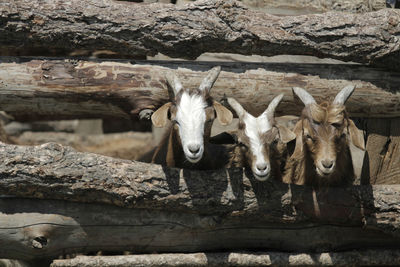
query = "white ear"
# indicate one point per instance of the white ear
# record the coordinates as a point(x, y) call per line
point(236, 107)
point(304, 96)
point(174, 82)
point(343, 95)
point(210, 79)
point(272, 106)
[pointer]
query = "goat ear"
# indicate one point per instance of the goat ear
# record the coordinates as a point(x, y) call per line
point(236, 107)
point(224, 115)
point(343, 95)
point(272, 106)
point(160, 116)
point(298, 131)
point(304, 96)
point(174, 82)
point(356, 136)
point(210, 79)
point(285, 134)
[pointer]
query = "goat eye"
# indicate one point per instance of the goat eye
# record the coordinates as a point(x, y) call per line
point(175, 122)
point(336, 125)
point(309, 137)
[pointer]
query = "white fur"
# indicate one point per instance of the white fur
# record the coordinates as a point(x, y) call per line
point(255, 128)
point(191, 117)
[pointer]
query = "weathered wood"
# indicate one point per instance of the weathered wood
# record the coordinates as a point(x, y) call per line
point(67, 89)
point(34, 229)
point(164, 209)
point(346, 258)
point(132, 30)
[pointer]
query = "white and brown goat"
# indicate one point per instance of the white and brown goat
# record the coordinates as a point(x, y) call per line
point(324, 132)
point(189, 117)
point(262, 142)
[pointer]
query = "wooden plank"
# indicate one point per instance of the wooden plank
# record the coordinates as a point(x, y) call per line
point(138, 30)
point(46, 89)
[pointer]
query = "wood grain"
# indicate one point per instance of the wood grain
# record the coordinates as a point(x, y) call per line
point(138, 30)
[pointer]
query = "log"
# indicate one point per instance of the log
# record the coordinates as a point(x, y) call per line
point(347, 258)
point(81, 202)
point(49, 89)
point(139, 30)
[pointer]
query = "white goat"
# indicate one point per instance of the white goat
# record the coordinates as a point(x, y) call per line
point(189, 117)
point(262, 141)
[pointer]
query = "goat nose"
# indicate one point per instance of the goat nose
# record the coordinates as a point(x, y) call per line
point(261, 167)
point(194, 148)
point(327, 163)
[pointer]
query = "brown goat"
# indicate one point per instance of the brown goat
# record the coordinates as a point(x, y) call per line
point(262, 142)
point(324, 132)
point(189, 118)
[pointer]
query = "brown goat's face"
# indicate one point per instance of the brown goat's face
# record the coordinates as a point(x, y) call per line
point(324, 133)
point(192, 113)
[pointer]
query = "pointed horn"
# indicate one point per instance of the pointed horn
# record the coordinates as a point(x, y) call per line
point(272, 105)
point(304, 96)
point(236, 107)
point(343, 95)
point(210, 79)
point(174, 82)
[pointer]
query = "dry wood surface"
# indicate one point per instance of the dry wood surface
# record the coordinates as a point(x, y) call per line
point(34, 27)
point(50, 89)
point(128, 205)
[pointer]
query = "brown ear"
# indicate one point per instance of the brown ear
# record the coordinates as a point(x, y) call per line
point(224, 115)
point(298, 131)
point(285, 134)
point(160, 117)
point(356, 136)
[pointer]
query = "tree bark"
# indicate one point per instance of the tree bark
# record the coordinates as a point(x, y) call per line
point(68, 89)
point(347, 258)
point(138, 30)
point(173, 210)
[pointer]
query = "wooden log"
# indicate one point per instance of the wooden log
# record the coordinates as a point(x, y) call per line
point(132, 30)
point(68, 89)
point(242, 259)
point(173, 210)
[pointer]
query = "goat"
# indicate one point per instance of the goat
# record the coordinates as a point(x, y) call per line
point(262, 142)
point(324, 132)
point(189, 118)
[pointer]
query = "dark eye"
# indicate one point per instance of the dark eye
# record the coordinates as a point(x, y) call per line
point(316, 122)
point(336, 125)
point(175, 122)
point(309, 137)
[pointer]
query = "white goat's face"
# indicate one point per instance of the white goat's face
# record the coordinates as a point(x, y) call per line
point(258, 137)
point(192, 112)
point(190, 119)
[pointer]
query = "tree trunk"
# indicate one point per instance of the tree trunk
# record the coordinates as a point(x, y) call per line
point(258, 259)
point(172, 210)
point(34, 27)
point(69, 89)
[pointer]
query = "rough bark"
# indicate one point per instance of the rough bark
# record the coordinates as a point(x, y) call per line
point(350, 258)
point(69, 89)
point(162, 209)
point(137, 30)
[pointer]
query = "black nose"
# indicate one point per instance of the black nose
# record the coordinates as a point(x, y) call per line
point(261, 167)
point(327, 163)
point(194, 149)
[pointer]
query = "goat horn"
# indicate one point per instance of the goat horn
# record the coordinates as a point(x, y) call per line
point(174, 82)
point(210, 79)
point(272, 106)
point(236, 107)
point(343, 95)
point(304, 96)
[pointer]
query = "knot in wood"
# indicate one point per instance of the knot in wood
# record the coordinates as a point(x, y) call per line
point(39, 242)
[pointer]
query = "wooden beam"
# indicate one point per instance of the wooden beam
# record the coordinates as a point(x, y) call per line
point(48, 89)
point(31, 27)
point(153, 208)
point(345, 258)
